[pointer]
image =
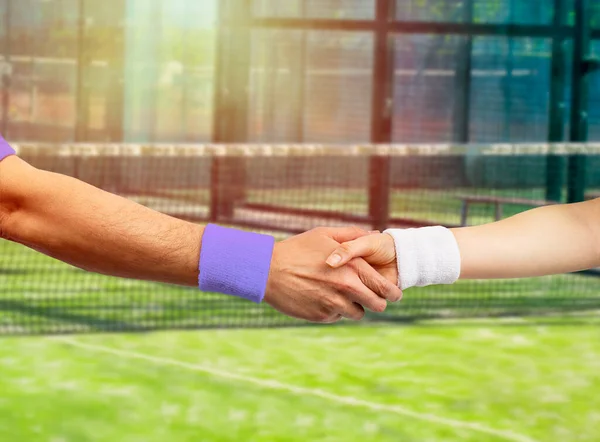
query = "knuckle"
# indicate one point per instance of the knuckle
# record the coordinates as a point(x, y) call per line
point(340, 305)
point(360, 314)
point(380, 307)
point(397, 296)
point(346, 285)
point(354, 265)
point(357, 230)
point(323, 317)
point(329, 305)
point(379, 286)
point(346, 248)
point(376, 304)
point(383, 288)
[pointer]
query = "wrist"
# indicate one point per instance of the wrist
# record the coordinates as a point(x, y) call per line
point(274, 276)
point(235, 262)
point(426, 256)
point(5, 149)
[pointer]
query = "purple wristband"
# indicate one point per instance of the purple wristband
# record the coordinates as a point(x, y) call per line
point(236, 263)
point(5, 149)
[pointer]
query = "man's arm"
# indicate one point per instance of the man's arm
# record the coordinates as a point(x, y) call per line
point(95, 230)
point(540, 242)
point(103, 233)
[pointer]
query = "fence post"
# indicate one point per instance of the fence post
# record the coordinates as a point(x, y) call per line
point(580, 100)
point(555, 165)
point(231, 105)
point(462, 94)
point(382, 113)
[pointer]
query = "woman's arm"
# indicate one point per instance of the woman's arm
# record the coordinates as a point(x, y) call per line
point(544, 241)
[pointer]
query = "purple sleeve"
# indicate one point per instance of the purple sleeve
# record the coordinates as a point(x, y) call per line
point(5, 149)
point(236, 263)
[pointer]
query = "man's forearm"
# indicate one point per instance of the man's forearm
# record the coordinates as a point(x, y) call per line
point(544, 241)
point(95, 230)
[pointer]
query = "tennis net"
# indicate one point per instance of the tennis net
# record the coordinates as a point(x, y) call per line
point(283, 190)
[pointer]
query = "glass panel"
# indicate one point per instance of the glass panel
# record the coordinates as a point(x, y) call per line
point(595, 13)
point(314, 87)
point(169, 66)
point(330, 9)
point(514, 12)
point(425, 87)
point(339, 87)
point(44, 49)
point(103, 70)
point(431, 10)
point(485, 11)
point(277, 85)
point(509, 90)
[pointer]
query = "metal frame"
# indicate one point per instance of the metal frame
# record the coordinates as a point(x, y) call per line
point(422, 27)
point(555, 176)
point(385, 25)
point(558, 32)
point(582, 62)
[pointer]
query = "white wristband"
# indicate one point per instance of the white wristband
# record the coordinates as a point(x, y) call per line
point(426, 256)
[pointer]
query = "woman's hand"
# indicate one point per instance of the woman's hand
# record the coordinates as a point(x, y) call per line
point(378, 249)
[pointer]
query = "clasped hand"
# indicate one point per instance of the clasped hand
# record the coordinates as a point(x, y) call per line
point(321, 277)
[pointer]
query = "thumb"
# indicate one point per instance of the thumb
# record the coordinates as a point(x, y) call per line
point(343, 234)
point(359, 248)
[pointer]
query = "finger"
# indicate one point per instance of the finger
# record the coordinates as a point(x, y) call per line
point(352, 311)
point(346, 252)
point(344, 234)
point(333, 319)
point(356, 291)
point(376, 282)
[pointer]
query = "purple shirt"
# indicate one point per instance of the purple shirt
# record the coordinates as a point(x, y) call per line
point(5, 149)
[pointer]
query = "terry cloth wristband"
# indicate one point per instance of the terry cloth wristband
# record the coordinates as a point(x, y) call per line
point(426, 256)
point(234, 262)
point(5, 149)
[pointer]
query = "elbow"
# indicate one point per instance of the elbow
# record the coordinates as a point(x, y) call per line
point(17, 180)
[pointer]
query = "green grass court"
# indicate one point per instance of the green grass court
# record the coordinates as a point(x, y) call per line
point(437, 381)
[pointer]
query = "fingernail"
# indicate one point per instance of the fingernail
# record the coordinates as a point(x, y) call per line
point(374, 232)
point(334, 260)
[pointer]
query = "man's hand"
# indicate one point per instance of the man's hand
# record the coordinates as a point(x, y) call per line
point(377, 249)
point(303, 286)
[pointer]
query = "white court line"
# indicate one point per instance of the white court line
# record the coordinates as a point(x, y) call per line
point(301, 391)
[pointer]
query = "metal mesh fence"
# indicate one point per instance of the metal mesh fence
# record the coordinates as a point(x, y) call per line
point(282, 190)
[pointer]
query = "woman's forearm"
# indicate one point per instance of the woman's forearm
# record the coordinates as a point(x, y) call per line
point(544, 241)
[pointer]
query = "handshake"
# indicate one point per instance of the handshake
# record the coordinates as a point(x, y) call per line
point(328, 274)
